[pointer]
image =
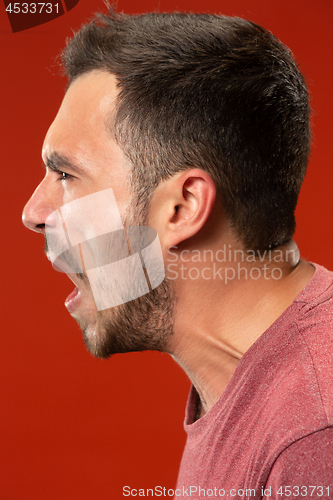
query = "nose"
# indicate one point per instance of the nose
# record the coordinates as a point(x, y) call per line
point(38, 209)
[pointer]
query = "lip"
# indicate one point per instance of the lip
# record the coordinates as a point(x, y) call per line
point(73, 300)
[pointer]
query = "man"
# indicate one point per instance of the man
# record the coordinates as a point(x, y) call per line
point(200, 126)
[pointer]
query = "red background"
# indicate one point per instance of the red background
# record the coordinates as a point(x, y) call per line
point(73, 427)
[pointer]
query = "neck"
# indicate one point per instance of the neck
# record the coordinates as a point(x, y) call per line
point(217, 321)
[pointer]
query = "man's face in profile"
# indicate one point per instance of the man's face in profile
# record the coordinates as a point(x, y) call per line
point(82, 158)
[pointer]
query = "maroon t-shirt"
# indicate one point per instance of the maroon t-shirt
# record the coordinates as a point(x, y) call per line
point(270, 435)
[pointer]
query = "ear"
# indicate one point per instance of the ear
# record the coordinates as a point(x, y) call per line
point(181, 205)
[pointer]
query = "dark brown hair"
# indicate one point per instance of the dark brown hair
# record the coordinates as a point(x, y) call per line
point(214, 92)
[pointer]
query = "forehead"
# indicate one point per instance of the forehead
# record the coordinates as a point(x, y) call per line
point(80, 126)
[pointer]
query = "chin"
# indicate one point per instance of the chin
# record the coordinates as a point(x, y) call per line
point(143, 324)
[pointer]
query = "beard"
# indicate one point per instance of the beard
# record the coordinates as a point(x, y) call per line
point(145, 323)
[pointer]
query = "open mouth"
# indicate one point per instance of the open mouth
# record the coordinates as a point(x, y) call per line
point(74, 298)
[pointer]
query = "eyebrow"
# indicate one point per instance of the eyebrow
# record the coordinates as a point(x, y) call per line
point(58, 162)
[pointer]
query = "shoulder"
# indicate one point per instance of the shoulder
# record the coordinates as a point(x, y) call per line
point(314, 323)
point(307, 462)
